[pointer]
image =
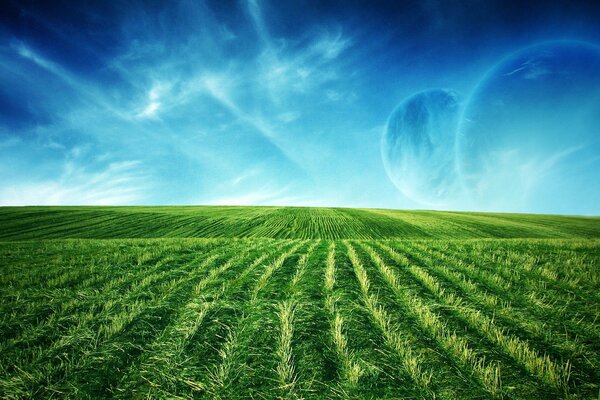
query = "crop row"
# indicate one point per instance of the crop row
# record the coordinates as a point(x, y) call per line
point(38, 223)
point(298, 319)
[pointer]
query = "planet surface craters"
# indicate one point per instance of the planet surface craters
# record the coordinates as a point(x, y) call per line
point(529, 137)
point(418, 146)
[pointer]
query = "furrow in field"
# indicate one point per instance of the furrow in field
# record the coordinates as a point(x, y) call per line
point(156, 372)
point(525, 261)
point(201, 351)
point(394, 339)
point(350, 369)
point(365, 365)
point(77, 313)
point(26, 264)
point(94, 329)
point(548, 370)
point(286, 368)
point(539, 328)
point(449, 379)
point(434, 326)
point(48, 305)
point(310, 352)
point(46, 262)
point(294, 286)
point(37, 314)
point(123, 350)
point(232, 362)
point(41, 226)
point(526, 293)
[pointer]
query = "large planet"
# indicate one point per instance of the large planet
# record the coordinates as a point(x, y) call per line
point(529, 137)
point(418, 146)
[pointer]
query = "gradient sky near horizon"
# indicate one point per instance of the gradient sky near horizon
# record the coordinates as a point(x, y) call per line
point(244, 102)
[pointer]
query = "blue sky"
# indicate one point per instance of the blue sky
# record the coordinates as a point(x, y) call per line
point(242, 102)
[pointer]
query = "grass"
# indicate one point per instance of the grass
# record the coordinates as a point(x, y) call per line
point(27, 223)
point(297, 303)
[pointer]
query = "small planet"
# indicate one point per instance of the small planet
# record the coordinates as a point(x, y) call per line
point(529, 137)
point(417, 146)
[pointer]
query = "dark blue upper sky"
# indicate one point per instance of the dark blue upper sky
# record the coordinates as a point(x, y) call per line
point(246, 102)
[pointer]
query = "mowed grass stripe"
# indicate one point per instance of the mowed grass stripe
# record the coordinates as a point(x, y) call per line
point(156, 373)
point(144, 327)
point(101, 286)
point(540, 365)
point(201, 351)
point(381, 373)
point(233, 360)
point(531, 262)
point(286, 366)
point(286, 370)
point(80, 281)
point(527, 291)
point(47, 263)
point(448, 379)
point(228, 320)
point(26, 265)
point(434, 326)
point(35, 376)
point(498, 308)
point(40, 317)
point(56, 224)
point(400, 318)
point(310, 350)
point(280, 222)
point(514, 305)
point(412, 365)
point(539, 267)
point(349, 366)
point(80, 314)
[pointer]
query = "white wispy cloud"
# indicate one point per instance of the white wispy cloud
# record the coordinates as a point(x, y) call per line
point(331, 45)
point(245, 176)
point(175, 94)
point(119, 182)
point(154, 99)
point(84, 89)
point(289, 116)
point(285, 72)
point(259, 24)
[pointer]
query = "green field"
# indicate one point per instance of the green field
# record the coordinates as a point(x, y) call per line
point(275, 302)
